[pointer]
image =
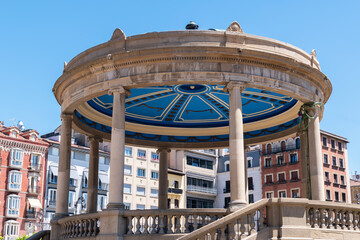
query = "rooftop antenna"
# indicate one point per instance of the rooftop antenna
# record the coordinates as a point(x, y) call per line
point(21, 126)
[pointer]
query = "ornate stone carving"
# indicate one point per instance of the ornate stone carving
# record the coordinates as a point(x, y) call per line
point(118, 35)
point(235, 27)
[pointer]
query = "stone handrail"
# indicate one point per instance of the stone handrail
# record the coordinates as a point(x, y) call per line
point(83, 225)
point(171, 221)
point(245, 221)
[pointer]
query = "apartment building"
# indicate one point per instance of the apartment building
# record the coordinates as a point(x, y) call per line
point(253, 174)
point(22, 181)
point(281, 168)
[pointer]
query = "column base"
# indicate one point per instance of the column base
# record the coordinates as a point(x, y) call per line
point(115, 206)
point(236, 205)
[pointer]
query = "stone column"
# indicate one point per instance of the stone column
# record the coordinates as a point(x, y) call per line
point(315, 156)
point(163, 178)
point(237, 153)
point(304, 166)
point(93, 180)
point(62, 196)
point(116, 185)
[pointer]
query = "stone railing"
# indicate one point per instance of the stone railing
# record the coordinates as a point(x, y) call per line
point(172, 221)
point(243, 222)
point(80, 226)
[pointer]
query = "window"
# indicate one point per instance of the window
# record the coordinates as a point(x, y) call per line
point(327, 177)
point(227, 167)
point(102, 201)
point(268, 162)
point(336, 178)
point(333, 144)
point(250, 183)
point(34, 160)
point(87, 157)
point(268, 179)
point(339, 146)
point(283, 146)
point(269, 194)
point(154, 175)
point(226, 202)
point(251, 198)
point(52, 195)
point(336, 196)
point(334, 161)
point(326, 160)
point(268, 148)
point(281, 177)
point(324, 141)
point(141, 154)
point(227, 187)
point(295, 193)
point(169, 203)
point(199, 182)
point(280, 160)
point(342, 180)
point(294, 175)
point(176, 184)
point(128, 151)
point(297, 142)
point(127, 188)
point(197, 162)
point(127, 206)
point(176, 203)
point(249, 163)
point(17, 157)
point(13, 134)
point(343, 197)
point(102, 160)
point(84, 195)
point(13, 205)
point(141, 172)
point(72, 182)
point(154, 192)
point(293, 158)
point(341, 162)
point(14, 180)
point(55, 151)
point(153, 207)
point(140, 191)
point(328, 194)
point(199, 203)
point(282, 194)
point(71, 199)
point(154, 156)
point(85, 181)
point(140, 206)
point(11, 230)
point(127, 170)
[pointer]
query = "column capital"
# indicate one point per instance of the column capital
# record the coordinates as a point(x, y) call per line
point(120, 90)
point(160, 149)
point(232, 85)
point(313, 108)
point(64, 116)
point(94, 138)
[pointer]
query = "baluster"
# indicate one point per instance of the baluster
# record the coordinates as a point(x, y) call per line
point(308, 216)
point(343, 219)
point(153, 225)
point(261, 220)
point(231, 228)
point(195, 224)
point(170, 224)
point(75, 229)
point(88, 228)
point(242, 222)
point(330, 219)
point(137, 219)
point(337, 219)
point(161, 224)
point(146, 225)
point(322, 218)
point(178, 224)
point(187, 230)
point(83, 227)
point(130, 226)
point(349, 222)
point(355, 220)
point(316, 218)
point(213, 235)
point(223, 233)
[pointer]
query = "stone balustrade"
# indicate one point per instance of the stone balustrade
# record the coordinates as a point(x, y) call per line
point(172, 221)
point(80, 226)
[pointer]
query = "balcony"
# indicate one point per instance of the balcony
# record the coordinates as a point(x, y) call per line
point(30, 214)
point(293, 162)
point(16, 187)
point(16, 164)
point(35, 167)
point(175, 190)
point(52, 203)
point(268, 183)
point(294, 180)
point(208, 190)
point(280, 164)
point(34, 190)
point(291, 147)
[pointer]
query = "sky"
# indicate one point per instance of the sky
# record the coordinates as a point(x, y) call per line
point(36, 37)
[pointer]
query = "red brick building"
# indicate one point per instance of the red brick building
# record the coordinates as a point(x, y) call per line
point(22, 181)
point(281, 168)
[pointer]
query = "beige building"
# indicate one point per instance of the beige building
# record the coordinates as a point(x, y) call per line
point(176, 193)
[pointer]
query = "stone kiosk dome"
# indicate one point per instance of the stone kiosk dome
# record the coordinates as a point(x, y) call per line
point(189, 89)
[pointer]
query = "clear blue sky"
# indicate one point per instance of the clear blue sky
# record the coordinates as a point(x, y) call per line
point(36, 37)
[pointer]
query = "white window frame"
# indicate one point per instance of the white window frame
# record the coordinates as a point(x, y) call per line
point(156, 158)
point(127, 206)
point(225, 164)
point(282, 190)
point(326, 141)
point(17, 157)
point(142, 158)
point(52, 195)
point(140, 208)
point(137, 191)
point(131, 150)
point(271, 161)
point(291, 171)
point(343, 163)
point(13, 205)
point(291, 192)
point(102, 201)
point(155, 173)
point(335, 196)
point(137, 172)
point(272, 178)
point(15, 185)
point(269, 192)
point(249, 159)
point(342, 176)
point(297, 157)
point(127, 188)
point(126, 173)
point(277, 175)
point(71, 199)
point(329, 176)
point(283, 156)
point(326, 199)
point(11, 230)
point(327, 155)
point(336, 179)
point(153, 195)
point(332, 161)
